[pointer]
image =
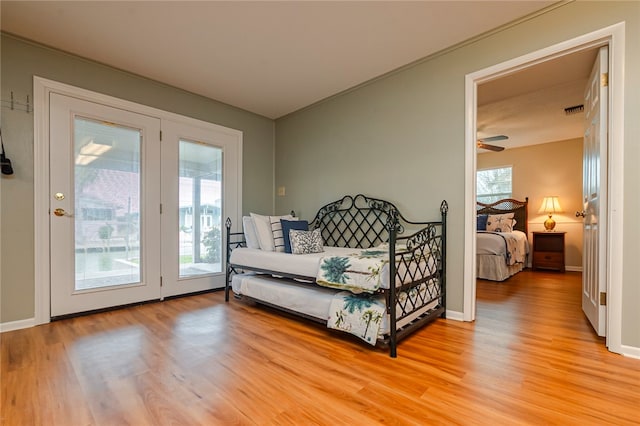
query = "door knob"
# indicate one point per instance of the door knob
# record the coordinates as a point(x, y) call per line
point(578, 214)
point(60, 212)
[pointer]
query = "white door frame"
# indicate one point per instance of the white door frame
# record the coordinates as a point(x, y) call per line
point(614, 36)
point(41, 89)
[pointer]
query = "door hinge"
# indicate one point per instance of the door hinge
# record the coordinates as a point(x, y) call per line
point(604, 79)
point(603, 298)
point(160, 208)
point(160, 135)
point(161, 281)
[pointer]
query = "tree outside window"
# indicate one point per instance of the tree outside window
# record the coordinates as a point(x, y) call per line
point(493, 184)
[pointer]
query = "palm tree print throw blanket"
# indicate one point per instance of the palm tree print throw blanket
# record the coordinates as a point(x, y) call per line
point(358, 272)
point(360, 315)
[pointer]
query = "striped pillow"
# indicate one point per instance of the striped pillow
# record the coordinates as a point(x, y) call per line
point(276, 229)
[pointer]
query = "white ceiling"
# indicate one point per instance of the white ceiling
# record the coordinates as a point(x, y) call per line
point(528, 106)
point(271, 58)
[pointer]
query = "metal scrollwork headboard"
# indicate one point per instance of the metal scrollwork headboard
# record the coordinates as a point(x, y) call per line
point(358, 222)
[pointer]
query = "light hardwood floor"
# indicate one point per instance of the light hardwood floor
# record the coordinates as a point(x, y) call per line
point(530, 358)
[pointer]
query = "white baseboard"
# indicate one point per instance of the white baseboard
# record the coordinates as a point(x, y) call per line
point(573, 268)
point(17, 325)
point(630, 351)
point(454, 315)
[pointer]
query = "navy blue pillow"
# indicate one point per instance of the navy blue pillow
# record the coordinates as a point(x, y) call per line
point(288, 225)
point(482, 222)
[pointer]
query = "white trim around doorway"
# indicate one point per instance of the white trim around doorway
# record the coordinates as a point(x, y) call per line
point(614, 36)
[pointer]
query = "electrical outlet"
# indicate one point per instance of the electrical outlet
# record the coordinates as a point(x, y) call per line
point(281, 191)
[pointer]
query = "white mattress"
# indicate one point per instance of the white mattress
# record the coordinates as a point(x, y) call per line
point(311, 300)
point(306, 265)
point(303, 265)
point(304, 298)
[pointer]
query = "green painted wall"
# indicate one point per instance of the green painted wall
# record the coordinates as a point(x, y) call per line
point(22, 60)
point(402, 137)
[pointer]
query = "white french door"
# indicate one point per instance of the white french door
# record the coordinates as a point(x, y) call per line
point(199, 183)
point(104, 206)
point(137, 203)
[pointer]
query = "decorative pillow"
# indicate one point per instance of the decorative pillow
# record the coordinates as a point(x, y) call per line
point(250, 235)
point(264, 231)
point(288, 225)
point(305, 242)
point(482, 222)
point(276, 230)
point(500, 222)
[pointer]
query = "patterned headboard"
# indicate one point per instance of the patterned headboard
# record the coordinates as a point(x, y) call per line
point(357, 221)
point(508, 205)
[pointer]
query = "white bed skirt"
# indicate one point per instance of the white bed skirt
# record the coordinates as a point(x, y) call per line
point(493, 267)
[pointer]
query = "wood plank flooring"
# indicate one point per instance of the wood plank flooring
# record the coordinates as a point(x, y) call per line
point(530, 358)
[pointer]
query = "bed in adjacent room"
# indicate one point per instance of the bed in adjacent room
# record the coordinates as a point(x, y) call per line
point(502, 246)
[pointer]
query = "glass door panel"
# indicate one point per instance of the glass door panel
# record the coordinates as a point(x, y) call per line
point(107, 204)
point(200, 207)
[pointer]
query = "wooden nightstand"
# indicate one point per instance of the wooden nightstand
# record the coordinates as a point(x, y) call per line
point(548, 250)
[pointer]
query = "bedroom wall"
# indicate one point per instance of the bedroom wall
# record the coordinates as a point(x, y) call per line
point(401, 137)
point(22, 60)
point(536, 174)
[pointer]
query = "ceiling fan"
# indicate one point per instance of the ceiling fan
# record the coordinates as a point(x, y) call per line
point(481, 143)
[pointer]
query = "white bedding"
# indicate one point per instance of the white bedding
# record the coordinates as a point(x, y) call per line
point(314, 301)
point(302, 298)
point(489, 243)
point(491, 256)
point(308, 265)
point(305, 265)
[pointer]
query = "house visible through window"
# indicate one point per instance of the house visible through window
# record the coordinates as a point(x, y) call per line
point(493, 184)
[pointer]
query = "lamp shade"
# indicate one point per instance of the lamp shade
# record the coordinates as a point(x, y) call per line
point(550, 205)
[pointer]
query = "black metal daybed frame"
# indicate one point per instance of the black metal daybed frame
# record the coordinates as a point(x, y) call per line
point(364, 222)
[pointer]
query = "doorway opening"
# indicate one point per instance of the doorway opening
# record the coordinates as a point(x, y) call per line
point(614, 38)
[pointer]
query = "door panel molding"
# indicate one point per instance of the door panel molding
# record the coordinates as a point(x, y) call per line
point(42, 89)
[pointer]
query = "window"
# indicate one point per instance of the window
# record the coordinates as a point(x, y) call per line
point(493, 184)
point(89, 213)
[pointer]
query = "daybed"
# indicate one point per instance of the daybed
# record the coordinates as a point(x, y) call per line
point(373, 264)
point(502, 246)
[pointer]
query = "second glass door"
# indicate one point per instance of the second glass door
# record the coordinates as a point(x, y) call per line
point(198, 195)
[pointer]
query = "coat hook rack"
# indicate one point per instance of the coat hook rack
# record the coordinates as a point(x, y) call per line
point(12, 104)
